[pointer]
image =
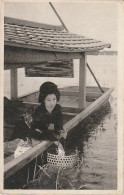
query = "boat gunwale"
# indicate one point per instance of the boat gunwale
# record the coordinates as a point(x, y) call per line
point(61, 91)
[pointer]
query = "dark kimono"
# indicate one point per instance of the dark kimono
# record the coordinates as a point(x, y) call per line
point(41, 121)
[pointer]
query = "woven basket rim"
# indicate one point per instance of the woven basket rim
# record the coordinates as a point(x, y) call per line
point(72, 155)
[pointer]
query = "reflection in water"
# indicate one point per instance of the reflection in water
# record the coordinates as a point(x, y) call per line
point(97, 144)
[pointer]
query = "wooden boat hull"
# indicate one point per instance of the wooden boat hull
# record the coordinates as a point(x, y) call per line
point(13, 165)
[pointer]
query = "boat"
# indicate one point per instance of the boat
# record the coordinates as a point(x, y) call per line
point(29, 43)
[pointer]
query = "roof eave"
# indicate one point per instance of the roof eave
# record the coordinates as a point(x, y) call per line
point(37, 47)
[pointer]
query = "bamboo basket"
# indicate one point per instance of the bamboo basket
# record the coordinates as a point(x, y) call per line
point(59, 161)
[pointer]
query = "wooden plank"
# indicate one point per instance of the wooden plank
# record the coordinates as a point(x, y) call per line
point(16, 164)
point(95, 53)
point(82, 82)
point(14, 83)
point(94, 106)
point(8, 159)
point(68, 93)
point(17, 57)
point(75, 93)
point(115, 53)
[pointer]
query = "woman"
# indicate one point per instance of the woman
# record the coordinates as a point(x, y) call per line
point(47, 118)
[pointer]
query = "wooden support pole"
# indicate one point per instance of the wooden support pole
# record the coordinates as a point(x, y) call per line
point(14, 83)
point(82, 82)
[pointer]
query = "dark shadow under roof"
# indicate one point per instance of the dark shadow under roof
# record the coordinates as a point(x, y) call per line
point(21, 33)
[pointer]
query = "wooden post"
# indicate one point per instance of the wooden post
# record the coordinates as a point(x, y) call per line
point(14, 83)
point(82, 82)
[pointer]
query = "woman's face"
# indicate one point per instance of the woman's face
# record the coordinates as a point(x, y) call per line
point(50, 102)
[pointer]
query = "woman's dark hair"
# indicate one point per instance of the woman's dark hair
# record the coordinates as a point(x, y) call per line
point(46, 89)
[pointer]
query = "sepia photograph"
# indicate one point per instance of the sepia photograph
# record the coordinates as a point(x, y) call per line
point(60, 97)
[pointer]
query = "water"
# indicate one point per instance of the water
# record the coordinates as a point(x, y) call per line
point(99, 143)
point(99, 168)
point(96, 138)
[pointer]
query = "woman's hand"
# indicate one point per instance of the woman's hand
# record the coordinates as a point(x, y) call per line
point(63, 134)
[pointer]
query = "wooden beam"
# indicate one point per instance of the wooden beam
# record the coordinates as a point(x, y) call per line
point(115, 53)
point(14, 83)
point(104, 52)
point(68, 93)
point(95, 53)
point(17, 57)
point(82, 82)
